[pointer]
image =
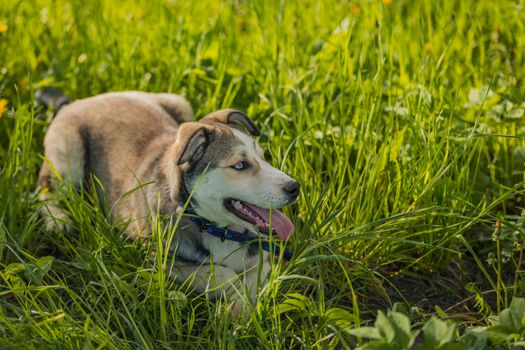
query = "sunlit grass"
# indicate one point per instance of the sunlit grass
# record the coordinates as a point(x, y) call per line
point(403, 121)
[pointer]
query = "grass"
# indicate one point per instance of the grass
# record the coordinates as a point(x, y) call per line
point(403, 121)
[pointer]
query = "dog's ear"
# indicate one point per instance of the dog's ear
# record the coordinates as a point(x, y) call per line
point(192, 141)
point(234, 118)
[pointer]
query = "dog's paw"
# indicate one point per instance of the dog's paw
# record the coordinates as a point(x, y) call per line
point(55, 220)
point(58, 225)
point(240, 309)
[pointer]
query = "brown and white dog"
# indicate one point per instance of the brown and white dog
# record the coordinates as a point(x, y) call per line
point(149, 154)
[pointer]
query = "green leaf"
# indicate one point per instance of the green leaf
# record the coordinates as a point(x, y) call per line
point(365, 332)
point(437, 334)
point(515, 113)
point(295, 301)
point(340, 317)
point(394, 328)
point(454, 346)
point(40, 268)
point(377, 345)
point(440, 312)
point(395, 146)
point(178, 298)
point(385, 328)
point(475, 338)
point(401, 308)
point(45, 263)
point(284, 307)
point(511, 319)
point(14, 268)
point(400, 321)
point(15, 282)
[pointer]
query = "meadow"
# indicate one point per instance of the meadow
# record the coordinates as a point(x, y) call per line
point(403, 121)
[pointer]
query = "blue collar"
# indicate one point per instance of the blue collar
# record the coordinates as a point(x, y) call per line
point(235, 236)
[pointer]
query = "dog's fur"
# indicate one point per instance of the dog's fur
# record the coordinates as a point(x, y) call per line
point(149, 154)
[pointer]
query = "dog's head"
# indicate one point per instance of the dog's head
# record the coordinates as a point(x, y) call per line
point(232, 184)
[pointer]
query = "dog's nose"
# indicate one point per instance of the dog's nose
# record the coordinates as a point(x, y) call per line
point(291, 188)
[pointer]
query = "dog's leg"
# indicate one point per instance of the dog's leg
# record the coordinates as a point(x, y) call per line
point(64, 161)
point(256, 276)
point(215, 280)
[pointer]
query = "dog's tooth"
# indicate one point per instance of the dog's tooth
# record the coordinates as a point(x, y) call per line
point(237, 205)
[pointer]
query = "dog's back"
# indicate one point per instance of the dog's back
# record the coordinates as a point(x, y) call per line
point(92, 135)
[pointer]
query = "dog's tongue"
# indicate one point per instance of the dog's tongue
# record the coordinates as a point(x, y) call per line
point(280, 223)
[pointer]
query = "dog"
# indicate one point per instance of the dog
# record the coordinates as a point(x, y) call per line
point(151, 158)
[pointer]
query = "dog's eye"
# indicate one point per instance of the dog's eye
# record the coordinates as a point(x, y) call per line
point(242, 165)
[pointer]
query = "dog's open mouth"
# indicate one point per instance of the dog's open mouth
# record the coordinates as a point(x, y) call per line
point(261, 218)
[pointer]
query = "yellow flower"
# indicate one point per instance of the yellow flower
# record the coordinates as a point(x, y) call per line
point(3, 105)
point(355, 10)
point(3, 27)
point(24, 82)
point(428, 47)
point(404, 79)
point(387, 2)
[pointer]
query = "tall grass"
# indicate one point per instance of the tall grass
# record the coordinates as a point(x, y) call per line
point(402, 120)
